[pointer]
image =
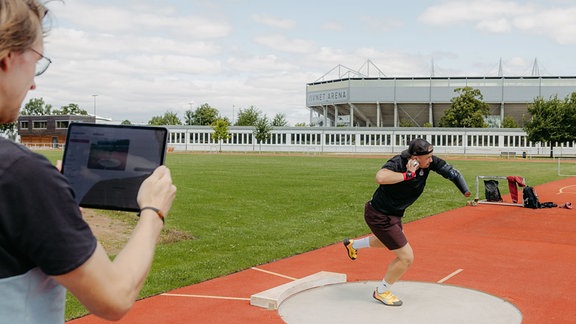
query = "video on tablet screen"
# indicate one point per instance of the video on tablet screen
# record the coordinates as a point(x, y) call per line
point(109, 155)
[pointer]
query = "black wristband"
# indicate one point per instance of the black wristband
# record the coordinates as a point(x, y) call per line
point(409, 175)
point(156, 210)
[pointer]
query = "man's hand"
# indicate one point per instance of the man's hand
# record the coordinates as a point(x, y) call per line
point(157, 190)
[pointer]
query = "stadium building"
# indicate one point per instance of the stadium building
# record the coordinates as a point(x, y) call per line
point(356, 98)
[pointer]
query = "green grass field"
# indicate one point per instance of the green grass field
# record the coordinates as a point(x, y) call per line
point(246, 210)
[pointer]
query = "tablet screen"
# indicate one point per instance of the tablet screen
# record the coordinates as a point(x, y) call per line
point(106, 164)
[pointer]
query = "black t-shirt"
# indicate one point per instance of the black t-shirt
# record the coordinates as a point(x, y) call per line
point(393, 199)
point(40, 222)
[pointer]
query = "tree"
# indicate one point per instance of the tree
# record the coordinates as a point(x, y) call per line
point(509, 122)
point(70, 109)
point(169, 118)
point(9, 130)
point(279, 120)
point(36, 107)
point(126, 122)
point(188, 117)
point(552, 121)
point(248, 117)
point(466, 110)
point(203, 115)
point(262, 130)
point(221, 127)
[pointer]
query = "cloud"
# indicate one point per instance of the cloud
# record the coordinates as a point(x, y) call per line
point(259, 64)
point(284, 44)
point(81, 43)
point(332, 26)
point(149, 20)
point(501, 25)
point(379, 23)
point(555, 21)
point(273, 21)
point(450, 12)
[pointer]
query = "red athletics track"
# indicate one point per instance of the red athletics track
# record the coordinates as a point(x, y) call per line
point(525, 256)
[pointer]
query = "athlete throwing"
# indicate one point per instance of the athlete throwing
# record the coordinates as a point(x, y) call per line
point(401, 181)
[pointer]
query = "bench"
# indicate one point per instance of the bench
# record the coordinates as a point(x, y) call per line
point(272, 298)
point(508, 154)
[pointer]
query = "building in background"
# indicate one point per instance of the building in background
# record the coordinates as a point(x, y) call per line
point(360, 99)
point(48, 130)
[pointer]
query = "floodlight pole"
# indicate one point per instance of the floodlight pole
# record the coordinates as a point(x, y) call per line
point(94, 95)
point(191, 103)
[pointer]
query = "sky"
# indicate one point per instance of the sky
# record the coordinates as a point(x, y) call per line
point(136, 59)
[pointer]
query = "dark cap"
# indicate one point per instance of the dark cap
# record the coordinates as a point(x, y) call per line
point(419, 146)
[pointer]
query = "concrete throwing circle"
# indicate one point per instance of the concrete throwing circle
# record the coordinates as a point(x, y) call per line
point(352, 302)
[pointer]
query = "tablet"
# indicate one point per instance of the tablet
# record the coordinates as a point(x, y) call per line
point(106, 164)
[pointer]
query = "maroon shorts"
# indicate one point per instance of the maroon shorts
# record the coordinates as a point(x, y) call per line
point(388, 229)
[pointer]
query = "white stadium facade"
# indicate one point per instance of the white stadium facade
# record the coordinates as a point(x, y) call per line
point(364, 101)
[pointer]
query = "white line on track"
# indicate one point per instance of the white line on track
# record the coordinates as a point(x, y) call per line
point(228, 298)
point(450, 276)
point(274, 273)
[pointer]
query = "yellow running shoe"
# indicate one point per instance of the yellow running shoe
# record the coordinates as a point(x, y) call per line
point(352, 252)
point(386, 298)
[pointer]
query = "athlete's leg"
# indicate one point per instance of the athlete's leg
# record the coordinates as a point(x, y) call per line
point(399, 266)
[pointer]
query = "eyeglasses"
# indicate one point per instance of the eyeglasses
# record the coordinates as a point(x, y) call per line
point(42, 64)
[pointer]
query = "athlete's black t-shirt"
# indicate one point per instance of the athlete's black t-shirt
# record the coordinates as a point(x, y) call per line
point(393, 199)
